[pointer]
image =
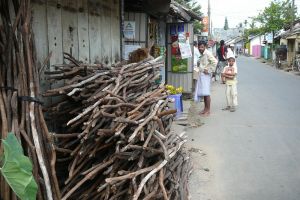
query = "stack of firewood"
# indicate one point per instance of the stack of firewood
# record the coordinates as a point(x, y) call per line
point(110, 125)
point(114, 140)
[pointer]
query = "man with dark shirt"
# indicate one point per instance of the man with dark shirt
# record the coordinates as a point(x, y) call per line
point(221, 53)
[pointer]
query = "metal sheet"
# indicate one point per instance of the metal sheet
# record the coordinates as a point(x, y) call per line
point(184, 80)
point(140, 20)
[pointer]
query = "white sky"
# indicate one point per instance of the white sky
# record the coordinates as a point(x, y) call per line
point(236, 11)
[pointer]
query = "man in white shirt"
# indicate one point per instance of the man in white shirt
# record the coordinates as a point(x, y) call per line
point(230, 52)
point(206, 66)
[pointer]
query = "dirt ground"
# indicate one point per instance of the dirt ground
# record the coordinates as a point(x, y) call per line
point(202, 175)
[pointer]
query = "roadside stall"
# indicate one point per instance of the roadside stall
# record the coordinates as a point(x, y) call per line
point(166, 30)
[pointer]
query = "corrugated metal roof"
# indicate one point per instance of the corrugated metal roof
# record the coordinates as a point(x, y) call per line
point(182, 12)
point(162, 7)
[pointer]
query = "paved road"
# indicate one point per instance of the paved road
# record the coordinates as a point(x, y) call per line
point(254, 153)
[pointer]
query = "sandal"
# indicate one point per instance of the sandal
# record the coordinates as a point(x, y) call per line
point(227, 108)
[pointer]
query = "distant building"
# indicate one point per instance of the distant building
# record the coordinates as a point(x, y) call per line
point(221, 34)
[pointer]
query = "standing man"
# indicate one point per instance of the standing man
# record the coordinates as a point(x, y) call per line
point(231, 52)
point(206, 65)
point(222, 53)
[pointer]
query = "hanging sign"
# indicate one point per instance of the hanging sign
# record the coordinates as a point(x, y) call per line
point(269, 37)
point(205, 21)
point(185, 50)
point(129, 30)
point(178, 64)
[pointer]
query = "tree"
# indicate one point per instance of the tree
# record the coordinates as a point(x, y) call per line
point(252, 30)
point(245, 23)
point(276, 16)
point(226, 24)
point(196, 8)
point(252, 25)
point(271, 18)
point(289, 14)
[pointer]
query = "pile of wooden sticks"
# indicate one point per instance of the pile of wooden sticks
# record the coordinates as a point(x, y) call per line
point(115, 140)
point(110, 125)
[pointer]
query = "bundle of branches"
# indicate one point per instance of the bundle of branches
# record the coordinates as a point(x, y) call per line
point(114, 139)
point(19, 105)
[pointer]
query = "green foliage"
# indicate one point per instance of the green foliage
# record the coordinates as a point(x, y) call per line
point(288, 12)
point(271, 18)
point(17, 169)
point(226, 27)
point(276, 15)
point(198, 27)
point(252, 24)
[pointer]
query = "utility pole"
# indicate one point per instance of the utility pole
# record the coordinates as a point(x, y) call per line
point(211, 26)
point(208, 12)
point(293, 15)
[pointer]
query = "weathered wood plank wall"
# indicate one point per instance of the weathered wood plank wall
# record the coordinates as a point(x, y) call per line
point(87, 29)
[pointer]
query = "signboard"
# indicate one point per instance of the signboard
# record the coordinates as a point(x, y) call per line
point(180, 28)
point(129, 30)
point(185, 50)
point(179, 64)
point(205, 22)
point(269, 37)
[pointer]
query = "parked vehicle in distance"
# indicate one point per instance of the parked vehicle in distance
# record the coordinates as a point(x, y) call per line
point(296, 63)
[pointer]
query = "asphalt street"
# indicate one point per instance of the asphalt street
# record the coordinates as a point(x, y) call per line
point(253, 153)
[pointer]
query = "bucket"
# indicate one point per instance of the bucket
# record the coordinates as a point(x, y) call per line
point(177, 99)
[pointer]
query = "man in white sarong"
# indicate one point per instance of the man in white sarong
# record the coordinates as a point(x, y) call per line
point(206, 65)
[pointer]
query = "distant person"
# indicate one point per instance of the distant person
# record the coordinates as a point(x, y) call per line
point(221, 54)
point(206, 65)
point(229, 76)
point(230, 52)
point(241, 51)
